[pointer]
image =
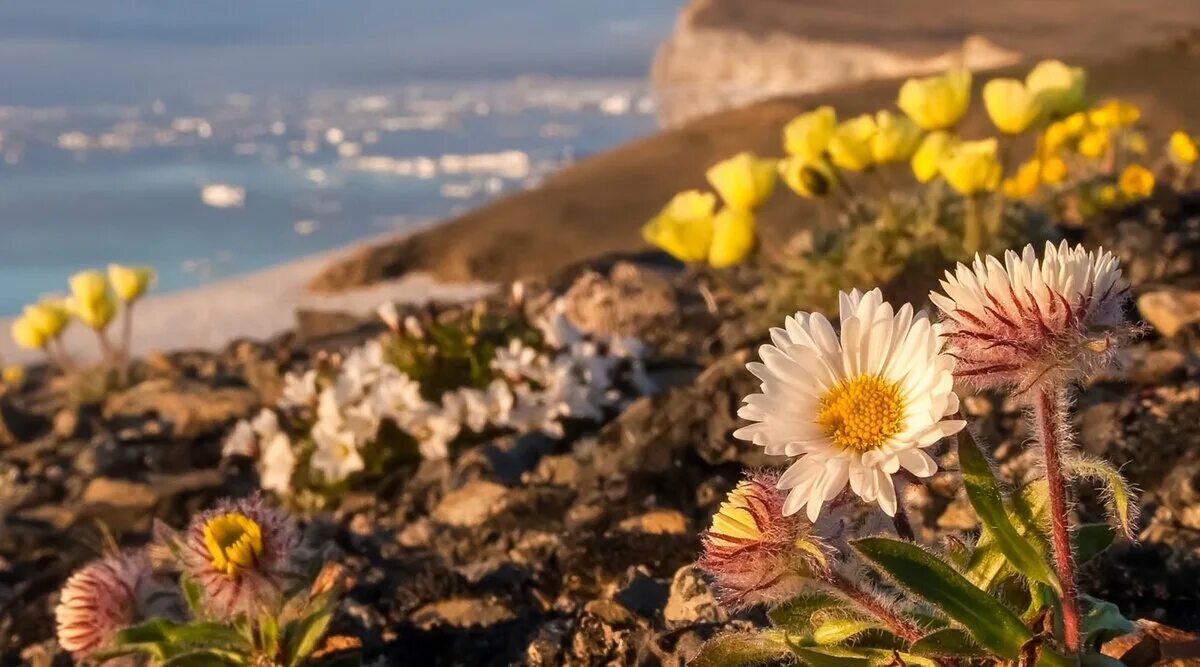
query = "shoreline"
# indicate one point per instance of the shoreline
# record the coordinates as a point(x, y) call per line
point(255, 305)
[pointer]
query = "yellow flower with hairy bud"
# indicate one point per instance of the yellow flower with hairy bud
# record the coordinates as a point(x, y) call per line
point(234, 542)
point(1182, 148)
point(1114, 113)
point(926, 162)
point(732, 238)
point(50, 316)
point(684, 228)
point(1059, 87)
point(1024, 183)
point(1054, 171)
point(130, 282)
point(807, 135)
point(807, 178)
point(12, 375)
point(972, 167)
point(1136, 182)
point(26, 334)
point(1011, 106)
point(1077, 123)
point(1094, 144)
point(1056, 135)
point(88, 286)
point(850, 147)
point(896, 138)
point(936, 102)
point(96, 314)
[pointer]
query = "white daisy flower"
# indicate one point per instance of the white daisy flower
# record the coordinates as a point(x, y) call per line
point(433, 427)
point(299, 390)
point(557, 330)
point(517, 361)
point(336, 456)
point(853, 409)
point(277, 463)
point(1028, 321)
point(242, 441)
point(396, 393)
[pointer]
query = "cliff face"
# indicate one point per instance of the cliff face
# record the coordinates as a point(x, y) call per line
point(728, 53)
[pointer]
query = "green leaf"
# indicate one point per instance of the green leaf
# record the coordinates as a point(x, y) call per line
point(1091, 539)
point(303, 637)
point(208, 635)
point(796, 614)
point(836, 631)
point(983, 490)
point(991, 624)
point(831, 657)
point(988, 565)
point(268, 634)
point(736, 649)
point(1102, 622)
point(1118, 493)
point(948, 642)
point(208, 658)
point(193, 595)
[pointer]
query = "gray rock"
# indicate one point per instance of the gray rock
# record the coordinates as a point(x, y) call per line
point(691, 600)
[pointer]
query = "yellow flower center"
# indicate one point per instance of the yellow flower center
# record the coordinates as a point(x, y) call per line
point(734, 524)
point(862, 414)
point(234, 541)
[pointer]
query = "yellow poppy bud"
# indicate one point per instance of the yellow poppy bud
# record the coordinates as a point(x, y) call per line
point(896, 138)
point(732, 237)
point(936, 102)
point(130, 282)
point(926, 162)
point(1107, 195)
point(12, 375)
point(1077, 123)
point(806, 178)
point(50, 316)
point(972, 167)
point(95, 314)
point(1059, 87)
point(1181, 148)
point(1114, 113)
point(1010, 105)
point(88, 286)
point(1054, 170)
point(1094, 144)
point(1136, 182)
point(1054, 138)
point(1024, 183)
point(684, 228)
point(26, 334)
point(807, 135)
point(850, 147)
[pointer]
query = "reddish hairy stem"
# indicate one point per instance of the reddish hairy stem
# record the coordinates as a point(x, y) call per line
point(871, 605)
point(1048, 421)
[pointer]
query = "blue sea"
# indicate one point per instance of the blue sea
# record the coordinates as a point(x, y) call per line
point(212, 139)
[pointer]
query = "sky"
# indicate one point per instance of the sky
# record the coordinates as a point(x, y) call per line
point(91, 51)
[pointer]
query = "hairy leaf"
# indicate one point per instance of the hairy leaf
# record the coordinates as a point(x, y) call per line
point(836, 631)
point(796, 614)
point(991, 624)
point(1022, 551)
point(988, 565)
point(303, 637)
point(1091, 539)
point(948, 642)
point(736, 649)
point(1102, 622)
point(1118, 494)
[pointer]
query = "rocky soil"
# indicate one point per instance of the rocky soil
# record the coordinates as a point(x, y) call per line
point(534, 551)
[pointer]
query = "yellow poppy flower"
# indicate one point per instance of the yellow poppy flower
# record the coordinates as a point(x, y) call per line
point(50, 316)
point(806, 178)
point(1059, 87)
point(96, 314)
point(1181, 148)
point(896, 138)
point(1114, 113)
point(88, 285)
point(27, 335)
point(1094, 143)
point(1054, 171)
point(684, 227)
point(1024, 183)
point(732, 237)
point(130, 282)
point(1107, 195)
point(926, 162)
point(1077, 123)
point(807, 135)
point(1011, 106)
point(936, 102)
point(850, 147)
point(1136, 182)
point(972, 167)
point(1055, 137)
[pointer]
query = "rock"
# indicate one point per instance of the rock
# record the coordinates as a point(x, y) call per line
point(472, 505)
point(190, 408)
point(1169, 311)
point(1154, 644)
point(656, 522)
point(560, 470)
point(462, 613)
point(612, 613)
point(691, 600)
point(119, 503)
point(318, 324)
point(629, 301)
point(642, 593)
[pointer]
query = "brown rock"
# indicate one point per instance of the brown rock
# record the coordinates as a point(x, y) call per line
point(691, 600)
point(472, 505)
point(656, 522)
point(191, 408)
point(1169, 311)
point(462, 613)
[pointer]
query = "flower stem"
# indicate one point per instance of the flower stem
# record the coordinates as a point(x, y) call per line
point(973, 226)
point(1050, 424)
point(872, 606)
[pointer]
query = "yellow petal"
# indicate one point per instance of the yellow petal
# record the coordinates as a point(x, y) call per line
point(1136, 182)
point(1181, 148)
point(895, 139)
point(684, 228)
point(926, 162)
point(1059, 87)
point(807, 135)
point(806, 178)
point(733, 237)
point(972, 167)
point(743, 181)
point(1010, 105)
point(850, 147)
point(936, 102)
point(130, 282)
point(27, 335)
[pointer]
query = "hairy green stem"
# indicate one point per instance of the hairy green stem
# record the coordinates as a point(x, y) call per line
point(872, 606)
point(1050, 423)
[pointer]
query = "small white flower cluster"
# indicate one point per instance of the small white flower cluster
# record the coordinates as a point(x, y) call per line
point(577, 376)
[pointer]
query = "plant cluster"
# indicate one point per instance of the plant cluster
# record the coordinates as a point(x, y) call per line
point(238, 587)
point(858, 410)
point(427, 388)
